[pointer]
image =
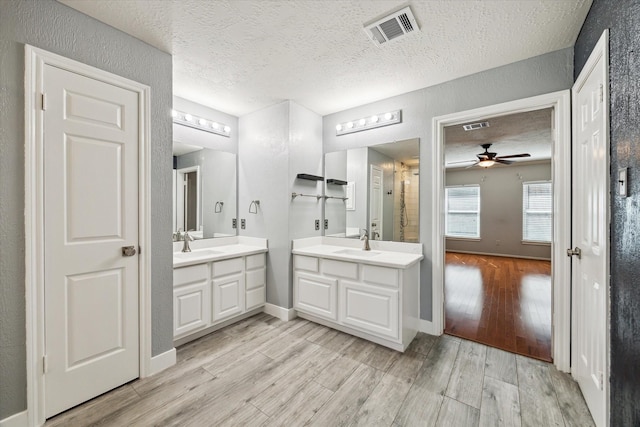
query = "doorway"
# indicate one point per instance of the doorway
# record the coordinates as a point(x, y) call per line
point(560, 167)
point(498, 231)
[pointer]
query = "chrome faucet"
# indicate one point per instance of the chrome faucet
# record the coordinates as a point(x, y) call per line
point(365, 238)
point(187, 239)
point(375, 235)
point(177, 235)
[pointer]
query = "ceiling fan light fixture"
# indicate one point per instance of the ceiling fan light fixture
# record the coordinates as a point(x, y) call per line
point(486, 163)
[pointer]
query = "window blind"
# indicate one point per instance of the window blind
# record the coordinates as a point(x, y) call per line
point(537, 208)
point(462, 206)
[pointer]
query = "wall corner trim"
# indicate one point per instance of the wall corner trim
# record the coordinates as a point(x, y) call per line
point(21, 419)
point(284, 314)
point(162, 361)
point(427, 327)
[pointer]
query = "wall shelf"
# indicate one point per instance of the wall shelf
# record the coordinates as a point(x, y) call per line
point(336, 181)
point(309, 177)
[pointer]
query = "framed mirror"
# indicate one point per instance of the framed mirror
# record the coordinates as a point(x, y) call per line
point(381, 186)
point(204, 191)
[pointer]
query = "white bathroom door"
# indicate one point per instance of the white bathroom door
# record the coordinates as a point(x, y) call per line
point(91, 138)
point(590, 269)
point(375, 230)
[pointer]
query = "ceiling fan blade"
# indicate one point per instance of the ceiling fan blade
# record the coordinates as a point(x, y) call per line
point(513, 156)
point(504, 162)
point(461, 161)
point(470, 166)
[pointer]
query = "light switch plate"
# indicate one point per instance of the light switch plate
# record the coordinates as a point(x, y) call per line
point(317, 224)
point(623, 178)
point(243, 223)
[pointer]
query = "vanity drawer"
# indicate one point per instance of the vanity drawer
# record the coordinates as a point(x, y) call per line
point(255, 261)
point(384, 276)
point(344, 269)
point(191, 274)
point(229, 266)
point(255, 278)
point(301, 262)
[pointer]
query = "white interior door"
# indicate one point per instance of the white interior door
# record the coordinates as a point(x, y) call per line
point(91, 139)
point(590, 269)
point(375, 226)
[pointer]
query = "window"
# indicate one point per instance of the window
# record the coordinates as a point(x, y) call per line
point(537, 205)
point(462, 205)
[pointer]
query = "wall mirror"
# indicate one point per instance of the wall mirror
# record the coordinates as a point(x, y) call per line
point(381, 185)
point(204, 191)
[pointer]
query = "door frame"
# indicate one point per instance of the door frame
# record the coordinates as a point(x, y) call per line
point(180, 193)
point(35, 61)
point(561, 176)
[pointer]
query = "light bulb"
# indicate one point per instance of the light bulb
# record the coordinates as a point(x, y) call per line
point(362, 122)
point(350, 125)
point(374, 119)
point(215, 125)
point(338, 128)
point(188, 117)
point(387, 116)
point(174, 113)
point(202, 122)
point(227, 129)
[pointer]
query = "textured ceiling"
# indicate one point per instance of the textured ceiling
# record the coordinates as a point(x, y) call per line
point(238, 56)
point(528, 132)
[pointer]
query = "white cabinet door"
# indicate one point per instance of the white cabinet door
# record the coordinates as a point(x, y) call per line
point(316, 295)
point(191, 308)
point(228, 296)
point(369, 308)
point(255, 283)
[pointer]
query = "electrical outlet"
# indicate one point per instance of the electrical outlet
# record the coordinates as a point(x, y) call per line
point(326, 224)
point(317, 224)
point(234, 223)
point(243, 223)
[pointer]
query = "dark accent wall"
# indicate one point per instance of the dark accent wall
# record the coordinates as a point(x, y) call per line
point(622, 17)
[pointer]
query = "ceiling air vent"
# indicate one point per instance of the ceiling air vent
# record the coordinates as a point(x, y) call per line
point(474, 126)
point(392, 27)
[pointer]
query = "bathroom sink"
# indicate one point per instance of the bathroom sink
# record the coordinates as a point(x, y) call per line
point(199, 253)
point(357, 252)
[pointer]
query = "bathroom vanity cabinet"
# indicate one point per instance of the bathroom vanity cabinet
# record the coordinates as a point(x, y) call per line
point(375, 302)
point(214, 293)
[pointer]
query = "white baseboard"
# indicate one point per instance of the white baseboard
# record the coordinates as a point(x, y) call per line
point(501, 255)
point(284, 314)
point(426, 326)
point(20, 419)
point(162, 361)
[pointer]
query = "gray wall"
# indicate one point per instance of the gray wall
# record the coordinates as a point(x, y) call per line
point(535, 76)
point(276, 144)
point(500, 209)
point(622, 17)
point(52, 26)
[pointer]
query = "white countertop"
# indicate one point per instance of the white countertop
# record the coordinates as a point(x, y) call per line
point(217, 250)
point(376, 256)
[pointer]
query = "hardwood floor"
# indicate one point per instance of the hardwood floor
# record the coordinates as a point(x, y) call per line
point(265, 372)
point(501, 302)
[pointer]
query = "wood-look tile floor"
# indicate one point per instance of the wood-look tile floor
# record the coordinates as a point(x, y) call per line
point(265, 372)
point(499, 301)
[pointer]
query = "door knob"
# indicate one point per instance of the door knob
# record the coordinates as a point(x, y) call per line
point(577, 251)
point(128, 250)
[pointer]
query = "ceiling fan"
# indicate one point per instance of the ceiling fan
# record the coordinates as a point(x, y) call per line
point(488, 159)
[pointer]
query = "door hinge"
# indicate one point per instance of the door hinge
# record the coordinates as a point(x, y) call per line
point(601, 378)
point(45, 364)
point(44, 101)
point(601, 93)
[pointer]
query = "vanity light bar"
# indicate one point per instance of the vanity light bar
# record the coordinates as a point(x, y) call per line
point(372, 122)
point(186, 119)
